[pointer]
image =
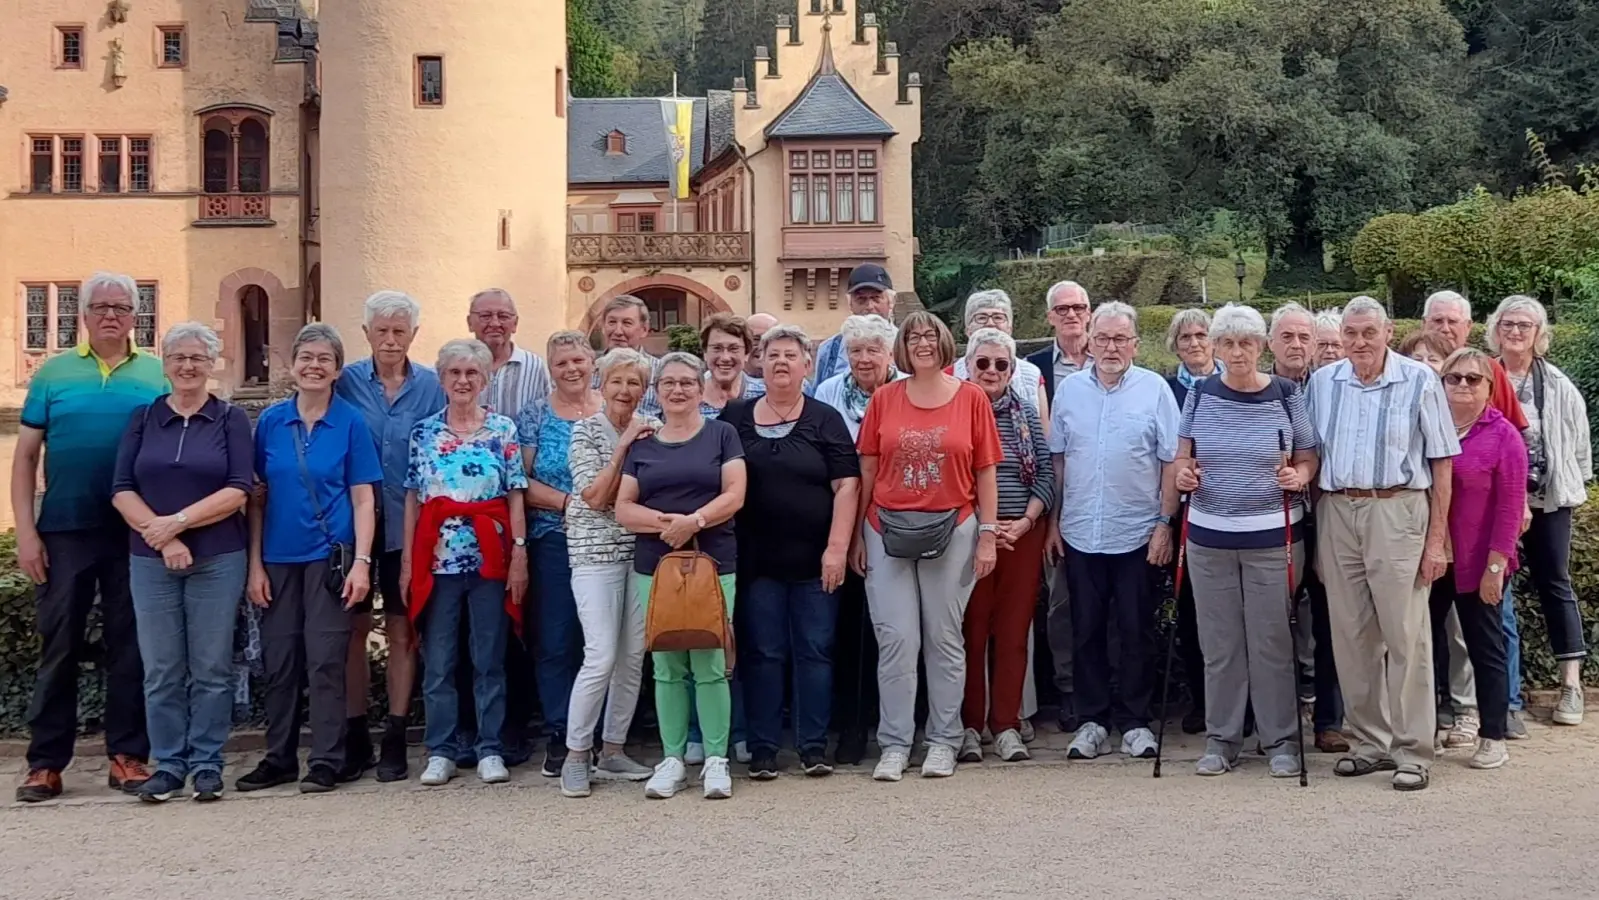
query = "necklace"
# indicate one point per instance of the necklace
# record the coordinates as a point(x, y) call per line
point(783, 418)
point(1460, 430)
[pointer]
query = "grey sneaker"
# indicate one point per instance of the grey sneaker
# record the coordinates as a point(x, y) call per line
point(1025, 729)
point(1285, 765)
point(1515, 726)
point(892, 766)
point(575, 775)
point(1140, 744)
point(695, 754)
point(1011, 746)
point(939, 762)
point(1092, 740)
point(971, 747)
point(1213, 764)
point(1464, 732)
point(1491, 754)
point(620, 767)
point(1569, 710)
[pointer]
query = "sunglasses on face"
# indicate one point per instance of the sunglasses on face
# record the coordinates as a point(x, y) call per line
point(984, 363)
point(1454, 379)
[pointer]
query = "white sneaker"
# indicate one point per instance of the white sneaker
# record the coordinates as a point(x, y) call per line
point(892, 766)
point(1491, 754)
point(575, 775)
point(1464, 732)
point(1025, 730)
point(695, 754)
point(669, 778)
point(620, 767)
point(1140, 744)
point(491, 770)
point(1011, 746)
point(939, 762)
point(971, 746)
point(1569, 710)
point(718, 780)
point(741, 752)
point(1092, 740)
point(439, 771)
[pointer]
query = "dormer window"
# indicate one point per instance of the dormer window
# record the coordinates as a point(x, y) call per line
point(615, 144)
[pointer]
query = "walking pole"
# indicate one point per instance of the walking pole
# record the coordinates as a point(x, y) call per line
point(1293, 609)
point(1171, 633)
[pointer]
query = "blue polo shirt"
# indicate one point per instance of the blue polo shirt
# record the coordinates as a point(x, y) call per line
point(339, 454)
point(390, 422)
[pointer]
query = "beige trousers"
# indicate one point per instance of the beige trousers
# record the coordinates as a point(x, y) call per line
point(1369, 552)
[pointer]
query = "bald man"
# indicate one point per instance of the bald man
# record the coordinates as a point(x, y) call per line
point(758, 325)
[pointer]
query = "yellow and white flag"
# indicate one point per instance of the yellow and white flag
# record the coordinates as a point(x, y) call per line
point(677, 114)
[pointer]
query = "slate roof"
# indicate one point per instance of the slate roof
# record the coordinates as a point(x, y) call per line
point(590, 119)
point(828, 107)
point(718, 123)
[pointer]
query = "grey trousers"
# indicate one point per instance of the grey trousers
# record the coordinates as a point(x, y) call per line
point(1241, 608)
point(918, 607)
point(305, 642)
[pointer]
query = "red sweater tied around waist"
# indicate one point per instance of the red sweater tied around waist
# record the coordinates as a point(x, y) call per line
point(490, 521)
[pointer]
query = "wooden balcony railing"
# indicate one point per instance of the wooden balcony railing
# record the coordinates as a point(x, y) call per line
point(221, 209)
point(659, 248)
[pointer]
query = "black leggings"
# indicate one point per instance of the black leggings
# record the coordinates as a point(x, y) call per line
point(1484, 631)
point(1548, 547)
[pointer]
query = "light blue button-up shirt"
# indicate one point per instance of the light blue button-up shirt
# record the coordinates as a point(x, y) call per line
point(390, 423)
point(1114, 442)
point(830, 359)
point(1384, 434)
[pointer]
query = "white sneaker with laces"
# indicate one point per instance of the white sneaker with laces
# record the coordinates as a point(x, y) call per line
point(1140, 744)
point(1092, 740)
point(971, 746)
point(892, 766)
point(717, 779)
point(669, 778)
point(1491, 754)
point(1011, 746)
point(939, 762)
point(439, 771)
point(491, 770)
point(1464, 732)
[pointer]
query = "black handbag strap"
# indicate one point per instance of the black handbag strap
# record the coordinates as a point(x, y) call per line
point(300, 441)
point(1537, 393)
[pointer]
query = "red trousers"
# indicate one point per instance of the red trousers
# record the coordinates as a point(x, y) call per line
point(1001, 610)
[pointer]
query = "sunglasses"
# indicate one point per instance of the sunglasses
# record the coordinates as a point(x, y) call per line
point(984, 363)
point(1472, 378)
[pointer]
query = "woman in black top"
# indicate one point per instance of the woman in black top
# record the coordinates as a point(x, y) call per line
point(794, 533)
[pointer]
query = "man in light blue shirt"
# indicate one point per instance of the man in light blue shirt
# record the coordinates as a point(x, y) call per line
point(393, 394)
point(1113, 436)
point(871, 293)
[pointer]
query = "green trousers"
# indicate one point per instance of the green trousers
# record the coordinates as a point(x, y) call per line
point(710, 693)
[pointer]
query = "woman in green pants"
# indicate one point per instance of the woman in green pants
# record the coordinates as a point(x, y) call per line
point(683, 484)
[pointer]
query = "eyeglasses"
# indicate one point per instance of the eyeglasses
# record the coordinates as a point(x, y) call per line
point(496, 316)
point(985, 319)
point(725, 348)
point(984, 363)
point(922, 337)
point(1517, 326)
point(1069, 309)
point(1454, 379)
point(1190, 340)
point(184, 360)
point(676, 384)
point(1120, 341)
point(111, 310)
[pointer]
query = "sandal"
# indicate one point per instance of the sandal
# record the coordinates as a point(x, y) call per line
point(1411, 777)
point(1354, 766)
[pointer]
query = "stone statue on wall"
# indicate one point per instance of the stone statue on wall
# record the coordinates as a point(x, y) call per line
point(119, 65)
point(116, 12)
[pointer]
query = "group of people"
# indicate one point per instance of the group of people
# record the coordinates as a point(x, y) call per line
point(880, 509)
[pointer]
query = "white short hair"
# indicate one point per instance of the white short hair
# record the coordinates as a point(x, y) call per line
point(1454, 297)
point(99, 281)
point(1330, 318)
point(989, 299)
point(1113, 309)
point(1521, 303)
point(1064, 287)
point(192, 331)
point(1281, 314)
point(489, 292)
point(624, 356)
point(1238, 322)
point(1364, 304)
point(384, 304)
point(990, 337)
point(469, 349)
point(871, 329)
point(781, 332)
point(1193, 315)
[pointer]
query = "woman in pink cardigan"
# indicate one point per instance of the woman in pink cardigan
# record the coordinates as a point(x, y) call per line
point(1485, 511)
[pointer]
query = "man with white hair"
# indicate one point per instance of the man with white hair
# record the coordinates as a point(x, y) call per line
point(77, 547)
point(1388, 446)
point(1292, 338)
point(992, 309)
point(757, 324)
point(625, 323)
point(520, 377)
point(871, 293)
point(1448, 315)
point(1113, 440)
point(393, 393)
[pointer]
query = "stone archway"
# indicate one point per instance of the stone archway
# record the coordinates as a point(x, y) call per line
point(706, 296)
point(266, 292)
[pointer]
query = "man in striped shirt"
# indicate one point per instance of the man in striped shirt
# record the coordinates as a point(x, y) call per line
point(1388, 443)
point(520, 378)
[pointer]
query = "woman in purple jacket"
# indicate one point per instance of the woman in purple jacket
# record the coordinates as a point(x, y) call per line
point(1485, 511)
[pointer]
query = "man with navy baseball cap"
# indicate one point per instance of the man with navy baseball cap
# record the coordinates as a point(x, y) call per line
point(871, 293)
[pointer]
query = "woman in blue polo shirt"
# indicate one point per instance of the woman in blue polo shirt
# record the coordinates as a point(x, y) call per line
point(310, 557)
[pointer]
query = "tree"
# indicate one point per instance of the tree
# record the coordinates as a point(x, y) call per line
point(591, 55)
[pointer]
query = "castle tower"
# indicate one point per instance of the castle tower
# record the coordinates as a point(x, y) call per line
point(443, 161)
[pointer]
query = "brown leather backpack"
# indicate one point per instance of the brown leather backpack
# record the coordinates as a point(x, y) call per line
point(687, 610)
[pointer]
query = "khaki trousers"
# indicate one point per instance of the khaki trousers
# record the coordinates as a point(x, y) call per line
point(1369, 551)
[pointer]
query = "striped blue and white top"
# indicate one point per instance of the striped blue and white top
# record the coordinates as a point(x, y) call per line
point(1381, 435)
point(1236, 441)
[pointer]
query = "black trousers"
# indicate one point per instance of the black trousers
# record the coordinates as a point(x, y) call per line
point(854, 660)
point(1548, 547)
point(1329, 710)
point(1189, 655)
point(84, 565)
point(1484, 632)
point(305, 643)
point(1112, 591)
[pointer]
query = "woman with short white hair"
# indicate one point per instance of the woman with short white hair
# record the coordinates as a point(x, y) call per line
point(1329, 338)
point(992, 309)
point(1245, 439)
point(1560, 463)
point(869, 347)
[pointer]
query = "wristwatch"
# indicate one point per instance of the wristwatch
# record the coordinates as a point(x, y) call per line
point(1496, 568)
point(699, 519)
point(365, 559)
point(182, 517)
point(1165, 519)
point(987, 529)
point(519, 542)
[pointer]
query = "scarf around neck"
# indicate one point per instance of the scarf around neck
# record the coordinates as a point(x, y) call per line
point(855, 398)
point(1021, 444)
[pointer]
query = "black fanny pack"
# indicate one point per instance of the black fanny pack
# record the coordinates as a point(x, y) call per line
point(912, 534)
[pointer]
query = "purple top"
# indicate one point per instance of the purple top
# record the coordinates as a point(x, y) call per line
point(1490, 496)
point(172, 462)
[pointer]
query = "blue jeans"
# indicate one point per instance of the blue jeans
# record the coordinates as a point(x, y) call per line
point(484, 603)
point(1507, 616)
point(784, 617)
point(185, 628)
point(559, 652)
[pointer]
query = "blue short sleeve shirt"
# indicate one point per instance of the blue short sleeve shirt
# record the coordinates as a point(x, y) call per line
point(339, 454)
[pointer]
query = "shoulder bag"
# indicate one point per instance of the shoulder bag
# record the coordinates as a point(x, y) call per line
point(687, 610)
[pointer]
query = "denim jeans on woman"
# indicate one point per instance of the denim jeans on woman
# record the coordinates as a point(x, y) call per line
point(558, 654)
point(788, 621)
point(185, 624)
point(483, 602)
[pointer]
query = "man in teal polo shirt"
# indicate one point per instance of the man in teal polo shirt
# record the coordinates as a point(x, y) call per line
point(78, 405)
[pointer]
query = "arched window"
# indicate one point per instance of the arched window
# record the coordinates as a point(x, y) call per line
point(218, 160)
point(236, 170)
point(252, 156)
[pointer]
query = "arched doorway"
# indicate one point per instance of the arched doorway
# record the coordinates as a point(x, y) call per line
point(672, 300)
point(253, 317)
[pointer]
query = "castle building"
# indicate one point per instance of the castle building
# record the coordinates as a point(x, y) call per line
point(256, 164)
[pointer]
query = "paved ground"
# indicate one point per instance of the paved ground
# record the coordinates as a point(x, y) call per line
point(1041, 829)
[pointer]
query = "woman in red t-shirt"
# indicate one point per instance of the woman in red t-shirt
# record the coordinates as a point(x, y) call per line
point(929, 448)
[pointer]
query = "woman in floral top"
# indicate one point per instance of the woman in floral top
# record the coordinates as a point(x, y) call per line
point(465, 549)
point(545, 431)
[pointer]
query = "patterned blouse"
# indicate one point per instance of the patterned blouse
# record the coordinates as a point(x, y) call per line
point(592, 536)
point(542, 428)
point(483, 466)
